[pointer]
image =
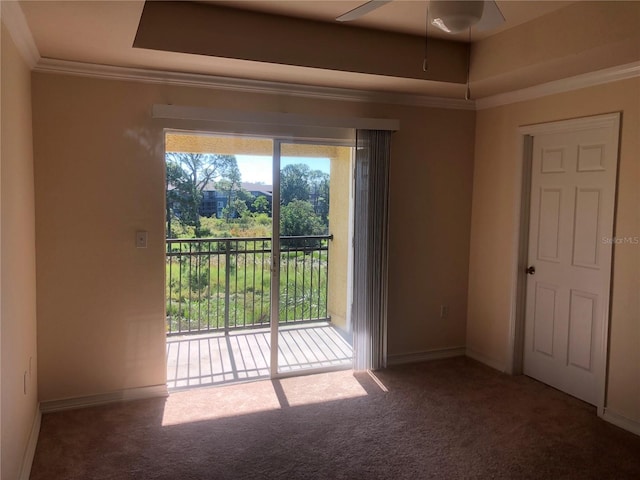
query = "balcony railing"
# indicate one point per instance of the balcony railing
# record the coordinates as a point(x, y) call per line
point(220, 284)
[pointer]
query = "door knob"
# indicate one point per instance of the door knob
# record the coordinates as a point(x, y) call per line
point(531, 270)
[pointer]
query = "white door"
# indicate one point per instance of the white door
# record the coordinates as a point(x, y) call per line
point(573, 184)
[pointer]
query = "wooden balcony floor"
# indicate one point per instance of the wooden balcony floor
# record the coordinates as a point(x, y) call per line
point(214, 359)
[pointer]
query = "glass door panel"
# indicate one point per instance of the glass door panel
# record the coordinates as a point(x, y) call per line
point(218, 258)
point(313, 331)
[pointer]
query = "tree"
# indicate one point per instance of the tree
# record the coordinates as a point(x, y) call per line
point(204, 168)
point(319, 188)
point(299, 182)
point(188, 174)
point(236, 209)
point(297, 218)
point(261, 205)
point(247, 197)
point(294, 183)
point(180, 202)
point(230, 186)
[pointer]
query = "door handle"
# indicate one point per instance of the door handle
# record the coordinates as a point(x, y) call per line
point(531, 270)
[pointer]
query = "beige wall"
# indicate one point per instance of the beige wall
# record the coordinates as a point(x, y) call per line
point(99, 178)
point(494, 227)
point(577, 39)
point(18, 270)
point(430, 184)
point(339, 210)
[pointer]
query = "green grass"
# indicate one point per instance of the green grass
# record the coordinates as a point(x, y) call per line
point(197, 287)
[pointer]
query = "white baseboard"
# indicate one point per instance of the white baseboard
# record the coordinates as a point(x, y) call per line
point(30, 452)
point(491, 362)
point(414, 357)
point(621, 421)
point(128, 394)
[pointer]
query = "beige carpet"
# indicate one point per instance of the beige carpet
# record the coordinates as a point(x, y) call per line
point(446, 419)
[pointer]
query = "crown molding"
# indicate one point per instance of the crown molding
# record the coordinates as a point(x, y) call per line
point(13, 18)
point(591, 79)
point(49, 65)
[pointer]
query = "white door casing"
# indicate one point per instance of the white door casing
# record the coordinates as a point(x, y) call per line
point(573, 185)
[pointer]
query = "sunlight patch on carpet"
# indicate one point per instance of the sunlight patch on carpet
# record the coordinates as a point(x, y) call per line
point(261, 396)
point(320, 388)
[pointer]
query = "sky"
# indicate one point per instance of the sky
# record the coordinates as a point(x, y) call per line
point(257, 168)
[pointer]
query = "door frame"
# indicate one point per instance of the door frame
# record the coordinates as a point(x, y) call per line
point(525, 135)
point(274, 287)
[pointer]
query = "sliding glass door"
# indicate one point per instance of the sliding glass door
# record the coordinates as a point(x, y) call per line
point(258, 255)
point(313, 186)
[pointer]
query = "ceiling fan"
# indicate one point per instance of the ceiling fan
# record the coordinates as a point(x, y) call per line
point(450, 16)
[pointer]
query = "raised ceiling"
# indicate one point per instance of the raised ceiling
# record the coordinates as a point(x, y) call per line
point(398, 16)
point(298, 42)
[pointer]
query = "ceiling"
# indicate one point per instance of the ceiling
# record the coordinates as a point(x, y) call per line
point(103, 32)
point(404, 16)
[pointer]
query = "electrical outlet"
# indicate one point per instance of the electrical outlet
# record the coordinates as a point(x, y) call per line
point(444, 311)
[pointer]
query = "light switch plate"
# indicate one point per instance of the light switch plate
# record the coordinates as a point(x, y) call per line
point(141, 239)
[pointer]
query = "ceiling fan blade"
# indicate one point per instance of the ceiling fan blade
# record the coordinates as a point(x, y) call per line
point(362, 10)
point(491, 17)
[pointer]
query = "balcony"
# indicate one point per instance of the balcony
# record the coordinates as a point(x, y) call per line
point(218, 293)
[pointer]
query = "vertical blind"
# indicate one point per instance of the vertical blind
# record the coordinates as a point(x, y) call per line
point(371, 212)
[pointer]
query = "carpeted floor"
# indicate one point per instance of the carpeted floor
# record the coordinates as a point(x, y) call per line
point(445, 419)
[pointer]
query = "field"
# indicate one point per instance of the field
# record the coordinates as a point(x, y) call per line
point(204, 276)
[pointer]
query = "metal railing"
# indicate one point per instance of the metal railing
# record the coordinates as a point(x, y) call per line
point(221, 284)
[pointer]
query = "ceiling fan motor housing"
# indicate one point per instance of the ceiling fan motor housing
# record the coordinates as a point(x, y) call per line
point(455, 16)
